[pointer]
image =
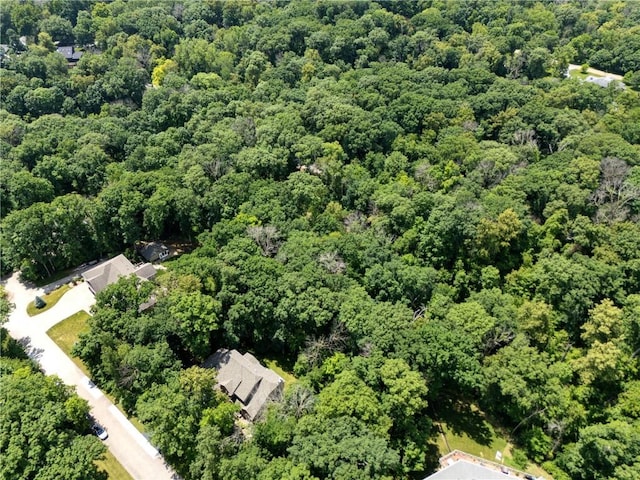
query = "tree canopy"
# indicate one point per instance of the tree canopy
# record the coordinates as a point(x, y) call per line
point(410, 205)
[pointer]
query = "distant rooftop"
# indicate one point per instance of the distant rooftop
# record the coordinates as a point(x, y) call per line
point(70, 53)
point(603, 81)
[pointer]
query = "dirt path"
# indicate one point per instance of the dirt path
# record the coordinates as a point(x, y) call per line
point(128, 445)
point(594, 71)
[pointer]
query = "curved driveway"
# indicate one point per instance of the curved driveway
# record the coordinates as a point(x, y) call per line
point(126, 443)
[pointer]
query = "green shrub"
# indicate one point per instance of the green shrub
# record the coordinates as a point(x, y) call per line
point(39, 302)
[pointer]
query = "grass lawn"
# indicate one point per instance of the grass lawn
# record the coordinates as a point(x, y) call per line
point(579, 75)
point(289, 379)
point(66, 333)
point(470, 432)
point(51, 299)
point(113, 468)
point(483, 449)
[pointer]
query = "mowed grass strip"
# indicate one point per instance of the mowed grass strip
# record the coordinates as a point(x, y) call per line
point(577, 73)
point(288, 378)
point(66, 333)
point(51, 299)
point(463, 442)
point(113, 468)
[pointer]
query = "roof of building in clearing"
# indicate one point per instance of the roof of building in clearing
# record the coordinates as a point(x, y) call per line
point(70, 53)
point(246, 380)
point(110, 271)
point(154, 251)
point(464, 470)
point(603, 81)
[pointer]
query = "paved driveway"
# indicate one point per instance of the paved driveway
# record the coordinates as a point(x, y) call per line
point(128, 445)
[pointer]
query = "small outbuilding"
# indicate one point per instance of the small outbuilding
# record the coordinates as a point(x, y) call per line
point(245, 380)
point(154, 251)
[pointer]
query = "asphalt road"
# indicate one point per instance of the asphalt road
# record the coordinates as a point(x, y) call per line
point(125, 442)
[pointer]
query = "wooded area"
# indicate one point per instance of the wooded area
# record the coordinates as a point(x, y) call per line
point(408, 204)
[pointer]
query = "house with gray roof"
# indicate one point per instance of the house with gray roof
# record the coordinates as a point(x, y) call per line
point(245, 380)
point(154, 251)
point(99, 277)
point(70, 54)
point(604, 81)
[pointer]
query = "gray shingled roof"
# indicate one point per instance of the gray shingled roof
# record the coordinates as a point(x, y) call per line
point(245, 380)
point(603, 81)
point(70, 53)
point(145, 271)
point(154, 251)
point(110, 271)
point(464, 470)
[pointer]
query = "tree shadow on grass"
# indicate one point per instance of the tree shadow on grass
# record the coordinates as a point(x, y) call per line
point(462, 418)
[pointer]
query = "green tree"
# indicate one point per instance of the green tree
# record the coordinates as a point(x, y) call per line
point(285, 469)
point(602, 451)
point(196, 318)
point(173, 413)
point(25, 190)
point(25, 16)
point(349, 396)
point(59, 28)
point(5, 306)
point(342, 447)
point(44, 238)
point(606, 360)
point(45, 432)
point(83, 29)
point(43, 100)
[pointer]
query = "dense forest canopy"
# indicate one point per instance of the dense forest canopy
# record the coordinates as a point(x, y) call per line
point(409, 204)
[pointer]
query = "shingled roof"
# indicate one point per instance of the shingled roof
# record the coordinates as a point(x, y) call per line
point(245, 380)
point(464, 470)
point(154, 251)
point(70, 53)
point(110, 271)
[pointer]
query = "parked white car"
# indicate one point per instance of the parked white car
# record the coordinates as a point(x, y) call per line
point(100, 432)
